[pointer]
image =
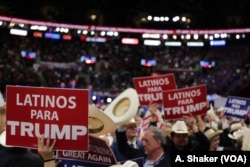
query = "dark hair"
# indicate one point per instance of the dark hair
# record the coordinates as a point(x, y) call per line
point(239, 143)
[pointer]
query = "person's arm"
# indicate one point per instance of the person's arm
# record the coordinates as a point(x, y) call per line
point(50, 164)
point(203, 142)
point(152, 107)
point(123, 146)
point(200, 122)
point(46, 151)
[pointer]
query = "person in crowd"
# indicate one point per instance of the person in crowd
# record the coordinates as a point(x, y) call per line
point(247, 120)
point(245, 144)
point(154, 142)
point(11, 156)
point(185, 134)
point(46, 149)
point(128, 163)
point(132, 139)
point(184, 140)
point(236, 138)
point(168, 128)
point(213, 135)
point(156, 118)
point(225, 140)
point(223, 121)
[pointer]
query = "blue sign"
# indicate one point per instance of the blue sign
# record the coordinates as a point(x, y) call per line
point(236, 107)
point(76, 163)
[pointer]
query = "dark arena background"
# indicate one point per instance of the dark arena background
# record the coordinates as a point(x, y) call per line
point(103, 44)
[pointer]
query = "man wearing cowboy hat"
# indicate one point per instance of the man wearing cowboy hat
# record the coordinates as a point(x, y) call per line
point(213, 135)
point(15, 156)
point(236, 138)
point(225, 140)
point(132, 139)
point(183, 139)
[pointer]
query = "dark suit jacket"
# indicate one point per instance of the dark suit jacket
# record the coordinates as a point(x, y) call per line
point(119, 156)
point(19, 157)
point(132, 153)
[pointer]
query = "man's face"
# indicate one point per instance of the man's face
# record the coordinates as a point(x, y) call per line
point(131, 130)
point(180, 140)
point(214, 143)
point(149, 143)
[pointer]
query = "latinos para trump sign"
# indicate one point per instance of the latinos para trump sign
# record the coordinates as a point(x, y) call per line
point(61, 114)
point(236, 107)
point(180, 102)
point(150, 88)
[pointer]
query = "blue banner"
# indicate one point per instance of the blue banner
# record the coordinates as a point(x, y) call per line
point(76, 163)
point(236, 107)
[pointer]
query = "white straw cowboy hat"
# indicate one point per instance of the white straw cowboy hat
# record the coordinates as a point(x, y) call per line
point(180, 127)
point(124, 107)
point(128, 163)
point(3, 139)
point(235, 126)
point(132, 122)
point(210, 133)
point(212, 114)
point(99, 123)
point(3, 133)
point(220, 109)
point(2, 101)
point(238, 133)
point(245, 141)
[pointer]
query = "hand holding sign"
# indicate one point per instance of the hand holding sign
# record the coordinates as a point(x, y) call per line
point(153, 110)
point(45, 148)
point(59, 113)
point(191, 122)
point(179, 102)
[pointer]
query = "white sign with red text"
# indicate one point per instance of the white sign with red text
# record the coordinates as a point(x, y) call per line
point(150, 88)
point(185, 101)
point(59, 113)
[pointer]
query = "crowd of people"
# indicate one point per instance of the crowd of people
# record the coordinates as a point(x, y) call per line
point(213, 131)
point(57, 64)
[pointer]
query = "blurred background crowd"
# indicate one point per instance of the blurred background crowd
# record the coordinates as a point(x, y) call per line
point(31, 57)
point(116, 65)
point(58, 62)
